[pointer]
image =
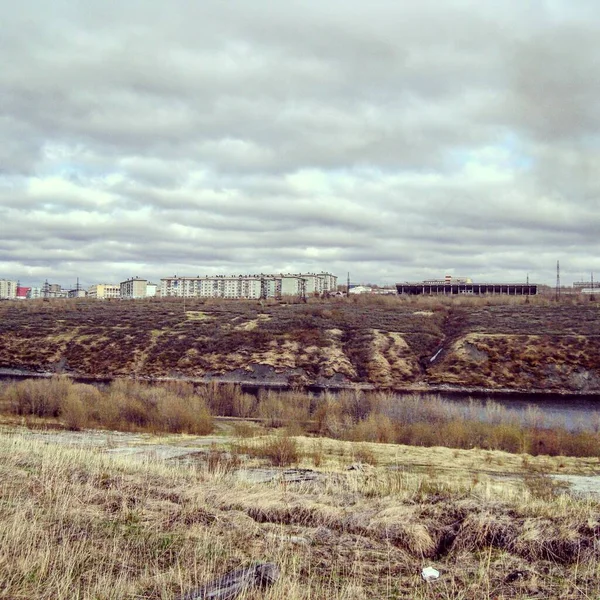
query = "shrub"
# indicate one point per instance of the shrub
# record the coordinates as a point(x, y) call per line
point(183, 415)
point(73, 412)
point(41, 398)
point(375, 428)
point(244, 405)
point(245, 430)
point(280, 409)
point(364, 454)
point(280, 451)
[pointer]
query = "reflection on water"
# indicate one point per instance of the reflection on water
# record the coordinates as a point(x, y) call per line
point(572, 413)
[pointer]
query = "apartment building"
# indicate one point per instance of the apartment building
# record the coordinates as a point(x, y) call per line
point(219, 286)
point(104, 291)
point(133, 289)
point(248, 286)
point(8, 289)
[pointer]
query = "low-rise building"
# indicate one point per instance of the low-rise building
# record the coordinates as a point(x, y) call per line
point(360, 289)
point(22, 292)
point(104, 291)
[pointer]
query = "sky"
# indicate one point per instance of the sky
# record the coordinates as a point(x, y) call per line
point(391, 139)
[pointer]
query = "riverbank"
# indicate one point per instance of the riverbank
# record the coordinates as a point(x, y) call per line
point(425, 420)
point(253, 386)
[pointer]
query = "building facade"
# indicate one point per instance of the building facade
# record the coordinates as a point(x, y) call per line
point(104, 291)
point(249, 286)
point(8, 289)
point(134, 288)
point(441, 288)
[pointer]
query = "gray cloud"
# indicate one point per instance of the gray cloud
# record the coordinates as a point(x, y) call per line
point(393, 140)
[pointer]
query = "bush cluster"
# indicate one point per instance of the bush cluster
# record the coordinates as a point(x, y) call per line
point(124, 405)
point(351, 415)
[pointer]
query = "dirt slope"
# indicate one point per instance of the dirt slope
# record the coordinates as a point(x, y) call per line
point(387, 344)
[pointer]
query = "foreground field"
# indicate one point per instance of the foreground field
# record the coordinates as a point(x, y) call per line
point(94, 522)
point(386, 343)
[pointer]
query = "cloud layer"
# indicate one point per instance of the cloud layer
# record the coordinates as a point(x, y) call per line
point(387, 139)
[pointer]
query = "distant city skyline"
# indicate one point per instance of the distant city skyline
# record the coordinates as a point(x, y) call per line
point(395, 140)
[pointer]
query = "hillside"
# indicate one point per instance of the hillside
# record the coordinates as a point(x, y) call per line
point(386, 343)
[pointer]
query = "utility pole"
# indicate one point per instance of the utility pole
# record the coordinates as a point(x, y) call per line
point(348, 285)
point(557, 280)
point(592, 297)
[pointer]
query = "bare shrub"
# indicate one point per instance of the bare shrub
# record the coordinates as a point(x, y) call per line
point(221, 398)
point(73, 412)
point(183, 415)
point(40, 397)
point(375, 428)
point(244, 405)
point(280, 451)
point(281, 409)
point(364, 454)
point(221, 461)
point(246, 430)
point(330, 419)
point(507, 437)
point(317, 453)
point(540, 485)
point(132, 411)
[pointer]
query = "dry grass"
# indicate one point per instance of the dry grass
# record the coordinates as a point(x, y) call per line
point(494, 342)
point(179, 406)
point(126, 405)
point(78, 523)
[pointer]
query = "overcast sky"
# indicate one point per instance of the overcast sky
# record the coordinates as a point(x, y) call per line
point(397, 140)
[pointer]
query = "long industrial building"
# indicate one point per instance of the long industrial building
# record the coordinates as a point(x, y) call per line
point(249, 286)
point(452, 287)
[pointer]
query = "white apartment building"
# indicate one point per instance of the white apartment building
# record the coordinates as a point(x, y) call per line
point(8, 289)
point(319, 283)
point(104, 291)
point(248, 286)
point(134, 288)
point(218, 286)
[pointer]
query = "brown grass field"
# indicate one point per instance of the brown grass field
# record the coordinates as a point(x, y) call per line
point(82, 522)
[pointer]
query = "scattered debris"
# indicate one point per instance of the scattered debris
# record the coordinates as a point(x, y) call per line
point(356, 467)
point(430, 574)
point(515, 576)
point(234, 583)
point(286, 476)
